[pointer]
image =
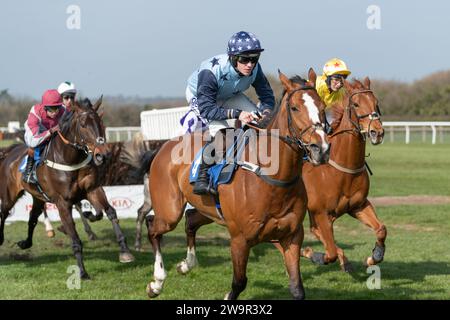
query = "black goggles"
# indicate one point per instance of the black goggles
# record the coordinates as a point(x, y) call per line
point(247, 59)
point(52, 108)
point(67, 97)
point(339, 76)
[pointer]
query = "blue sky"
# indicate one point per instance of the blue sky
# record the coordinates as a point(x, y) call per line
point(149, 48)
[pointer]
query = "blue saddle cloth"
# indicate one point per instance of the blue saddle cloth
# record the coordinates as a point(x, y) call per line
point(222, 172)
point(37, 159)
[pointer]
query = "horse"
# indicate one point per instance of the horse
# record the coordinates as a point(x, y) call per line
point(126, 163)
point(342, 185)
point(338, 187)
point(275, 212)
point(71, 172)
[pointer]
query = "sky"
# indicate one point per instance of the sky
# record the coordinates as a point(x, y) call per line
point(149, 48)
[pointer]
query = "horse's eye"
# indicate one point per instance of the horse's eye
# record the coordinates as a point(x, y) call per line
point(356, 105)
point(294, 109)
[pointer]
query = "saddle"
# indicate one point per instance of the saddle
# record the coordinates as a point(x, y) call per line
point(223, 172)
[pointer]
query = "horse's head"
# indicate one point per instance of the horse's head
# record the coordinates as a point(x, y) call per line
point(366, 112)
point(89, 129)
point(303, 109)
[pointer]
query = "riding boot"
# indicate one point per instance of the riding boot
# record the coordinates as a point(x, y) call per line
point(29, 175)
point(201, 185)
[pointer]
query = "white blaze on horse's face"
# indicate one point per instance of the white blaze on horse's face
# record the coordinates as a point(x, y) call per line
point(313, 112)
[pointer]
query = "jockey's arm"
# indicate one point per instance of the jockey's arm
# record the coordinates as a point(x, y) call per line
point(37, 138)
point(264, 91)
point(207, 89)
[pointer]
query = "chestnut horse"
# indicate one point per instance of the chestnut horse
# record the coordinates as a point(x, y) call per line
point(276, 207)
point(342, 185)
point(66, 177)
point(338, 187)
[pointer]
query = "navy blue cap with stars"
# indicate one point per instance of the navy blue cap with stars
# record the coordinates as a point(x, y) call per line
point(243, 42)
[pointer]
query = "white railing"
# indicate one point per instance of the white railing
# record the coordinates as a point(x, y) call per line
point(114, 134)
point(419, 129)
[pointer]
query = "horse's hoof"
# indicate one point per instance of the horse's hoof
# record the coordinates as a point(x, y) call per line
point(182, 268)
point(51, 234)
point(347, 267)
point(150, 292)
point(24, 244)
point(85, 276)
point(126, 257)
point(369, 262)
point(227, 296)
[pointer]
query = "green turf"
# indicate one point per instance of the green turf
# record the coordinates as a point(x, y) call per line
point(416, 266)
point(415, 169)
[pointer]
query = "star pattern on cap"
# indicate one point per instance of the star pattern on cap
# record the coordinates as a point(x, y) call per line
point(243, 41)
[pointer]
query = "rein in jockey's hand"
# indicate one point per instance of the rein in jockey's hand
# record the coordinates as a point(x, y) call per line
point(54, 129)
point(247, 117)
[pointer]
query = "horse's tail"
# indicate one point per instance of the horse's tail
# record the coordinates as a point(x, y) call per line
point(147, 159)
point(134, 152)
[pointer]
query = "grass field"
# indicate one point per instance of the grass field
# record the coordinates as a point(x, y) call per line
point(416, 266)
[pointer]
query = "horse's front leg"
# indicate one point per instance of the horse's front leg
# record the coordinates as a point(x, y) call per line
point(367, 215)
point(36, 211)
point(193, 221)
point(239, 254)
point(322, 228)
point(98, 199)
point(65, 213)
point(290, 249)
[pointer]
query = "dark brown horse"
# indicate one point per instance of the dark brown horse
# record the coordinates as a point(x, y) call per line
point(71, 172)
point(126, 163)
point(338, 187)
point(255, 208)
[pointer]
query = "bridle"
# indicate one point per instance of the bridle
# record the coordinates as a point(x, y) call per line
point(83, 145)
point(373, 116)
point(295, 137)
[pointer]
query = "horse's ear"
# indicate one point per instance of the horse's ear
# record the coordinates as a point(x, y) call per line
point(97, 104)
point(285, 81)
point(312, 76)
point(366, 82)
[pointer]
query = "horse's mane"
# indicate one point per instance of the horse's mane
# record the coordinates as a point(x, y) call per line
point(268, 120)
point(66, 119)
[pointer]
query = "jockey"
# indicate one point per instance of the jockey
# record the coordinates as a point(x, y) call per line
point(215, 93)
point(42, 122)
point(67, 91)
point(330, 86)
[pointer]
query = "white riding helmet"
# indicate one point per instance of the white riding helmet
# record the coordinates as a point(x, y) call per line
point(66, 87)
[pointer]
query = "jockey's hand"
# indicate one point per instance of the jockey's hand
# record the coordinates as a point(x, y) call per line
point(54, 129)
point(266, 113)
point(247, 117)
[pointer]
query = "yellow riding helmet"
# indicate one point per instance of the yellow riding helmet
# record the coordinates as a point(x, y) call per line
point(335, 66)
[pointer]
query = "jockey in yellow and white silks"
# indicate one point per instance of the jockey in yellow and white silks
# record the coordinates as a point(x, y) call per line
point(330, 85)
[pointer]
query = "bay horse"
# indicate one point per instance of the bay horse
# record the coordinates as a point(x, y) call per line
point(127, 162)
point(255, 208)
point(338, 187)
point(71, 172)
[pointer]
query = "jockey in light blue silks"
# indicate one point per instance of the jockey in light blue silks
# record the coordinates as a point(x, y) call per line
point(215, 93)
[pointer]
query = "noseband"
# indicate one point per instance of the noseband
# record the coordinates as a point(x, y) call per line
point(357, 127)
